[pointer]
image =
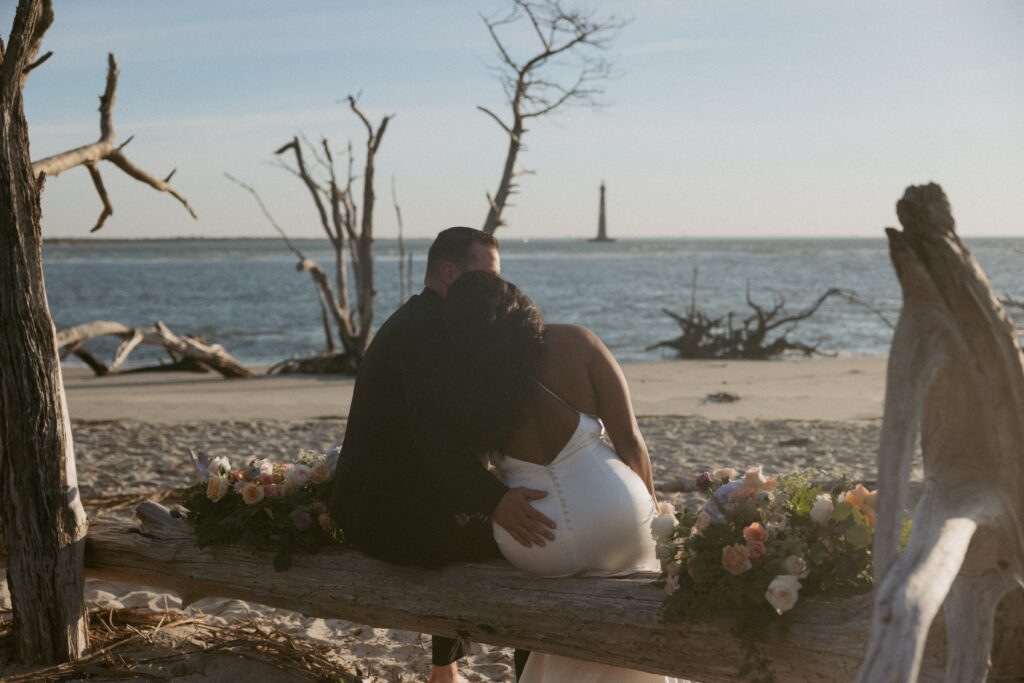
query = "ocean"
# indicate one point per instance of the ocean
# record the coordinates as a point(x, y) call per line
point(246, 294)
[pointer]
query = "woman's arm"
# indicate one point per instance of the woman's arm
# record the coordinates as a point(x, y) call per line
point(615, 408)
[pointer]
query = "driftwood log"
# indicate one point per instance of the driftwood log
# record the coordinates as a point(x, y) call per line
point(212, 356)
point(106, 149)
point(615, 621)
point(955, 378)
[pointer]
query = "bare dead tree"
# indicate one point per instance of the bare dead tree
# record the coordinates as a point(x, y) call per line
point(40, 505)
point(566, 67)
point(104, 149)
point(404, 267)
point(351, 236)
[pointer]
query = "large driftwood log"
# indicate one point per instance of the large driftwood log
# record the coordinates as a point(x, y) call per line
point(212, 356)
point(105, 149)
point(956, 378)
point(616, 621)
point(40, 506)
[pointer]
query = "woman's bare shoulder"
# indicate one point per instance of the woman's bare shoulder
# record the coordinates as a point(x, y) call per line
point(567, 333)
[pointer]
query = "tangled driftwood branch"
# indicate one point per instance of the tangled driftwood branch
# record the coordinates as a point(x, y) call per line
point(104, 149)
point(208, 357)
point(725, 337)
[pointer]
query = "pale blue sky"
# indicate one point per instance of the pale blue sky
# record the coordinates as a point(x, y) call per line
point(727, 118)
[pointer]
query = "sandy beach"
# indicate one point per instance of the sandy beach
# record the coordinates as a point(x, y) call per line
point(132, 433)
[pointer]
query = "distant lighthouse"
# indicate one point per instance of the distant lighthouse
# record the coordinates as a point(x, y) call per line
point(602, 226)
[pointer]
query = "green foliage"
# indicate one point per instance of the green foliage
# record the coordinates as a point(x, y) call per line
point(283, 524)
point(828, 551)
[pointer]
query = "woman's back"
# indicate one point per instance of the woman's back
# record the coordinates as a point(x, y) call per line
point(563, 390)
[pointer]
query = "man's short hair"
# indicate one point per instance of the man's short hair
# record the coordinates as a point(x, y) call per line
point(454, 244)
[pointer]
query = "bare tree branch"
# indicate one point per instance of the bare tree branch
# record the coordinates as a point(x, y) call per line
point(560, 32)
point(104, 149)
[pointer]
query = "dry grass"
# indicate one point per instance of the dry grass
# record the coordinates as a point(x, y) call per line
point(143, 644)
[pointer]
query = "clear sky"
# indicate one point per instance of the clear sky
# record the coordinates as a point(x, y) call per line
point(726, 118)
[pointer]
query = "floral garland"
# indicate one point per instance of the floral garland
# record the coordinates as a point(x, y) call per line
point(268, 505)
point(756, 543)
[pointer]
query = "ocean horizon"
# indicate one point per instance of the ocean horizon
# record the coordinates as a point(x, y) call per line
point(245, 293)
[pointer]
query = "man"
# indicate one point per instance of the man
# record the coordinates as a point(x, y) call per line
point(404, 488)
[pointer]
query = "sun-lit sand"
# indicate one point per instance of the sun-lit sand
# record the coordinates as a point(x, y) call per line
point(132, 433)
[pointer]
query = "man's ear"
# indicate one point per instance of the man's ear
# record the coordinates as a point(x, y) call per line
point(449, 273)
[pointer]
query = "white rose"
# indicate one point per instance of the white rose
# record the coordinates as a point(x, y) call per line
point(298, 475)
point(782, 592)
point(262, 466)
point(663, 527)
point(821, 512)
point(796, 566)
point(220, 465)
point(664, 551)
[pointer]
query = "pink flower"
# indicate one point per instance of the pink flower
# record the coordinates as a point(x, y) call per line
point(755, 533)
point(266, 479)
point(252, 493)
point(271, 490)
point(736, 559)
point(298, 475)
point(301, 520)
point(756, 550)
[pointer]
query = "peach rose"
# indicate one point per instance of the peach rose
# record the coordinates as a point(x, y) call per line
point(320, 473)
point(755, 533)
point(217, 487)
point(866, 502)
point(736, 559)
point(782, 592)
point(252, 493)
point(756, 550)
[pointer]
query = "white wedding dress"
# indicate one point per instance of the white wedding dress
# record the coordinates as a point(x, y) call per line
point(603, 513)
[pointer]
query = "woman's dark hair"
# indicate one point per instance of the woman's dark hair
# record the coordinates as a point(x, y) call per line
point(496, 342)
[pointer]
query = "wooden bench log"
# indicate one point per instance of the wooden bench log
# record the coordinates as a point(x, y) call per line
point(614, 621)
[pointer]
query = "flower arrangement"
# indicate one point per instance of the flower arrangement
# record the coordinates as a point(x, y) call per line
point(758, 543)
point(267, 505)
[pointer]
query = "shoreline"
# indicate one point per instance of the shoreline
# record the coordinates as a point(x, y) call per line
point(834, 389)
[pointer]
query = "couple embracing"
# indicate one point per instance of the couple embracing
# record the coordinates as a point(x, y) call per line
point(476, 431)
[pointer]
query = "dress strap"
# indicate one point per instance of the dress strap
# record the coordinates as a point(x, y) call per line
point(560, 399)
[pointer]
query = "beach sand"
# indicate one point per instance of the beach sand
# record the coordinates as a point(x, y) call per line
point(132, 433)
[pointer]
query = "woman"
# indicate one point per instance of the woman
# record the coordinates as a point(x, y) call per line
point(535, 397)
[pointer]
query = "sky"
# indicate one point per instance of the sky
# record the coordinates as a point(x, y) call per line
point(723, 119)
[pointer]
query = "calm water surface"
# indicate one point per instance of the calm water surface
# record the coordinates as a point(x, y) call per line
point(246, 294)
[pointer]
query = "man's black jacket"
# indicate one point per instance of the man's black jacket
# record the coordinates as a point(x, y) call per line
point(401, 476)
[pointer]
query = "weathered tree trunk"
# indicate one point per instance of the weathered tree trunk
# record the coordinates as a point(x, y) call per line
point(955, 377)
point(42, 514)
point(614, 621)
point(505, 186)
